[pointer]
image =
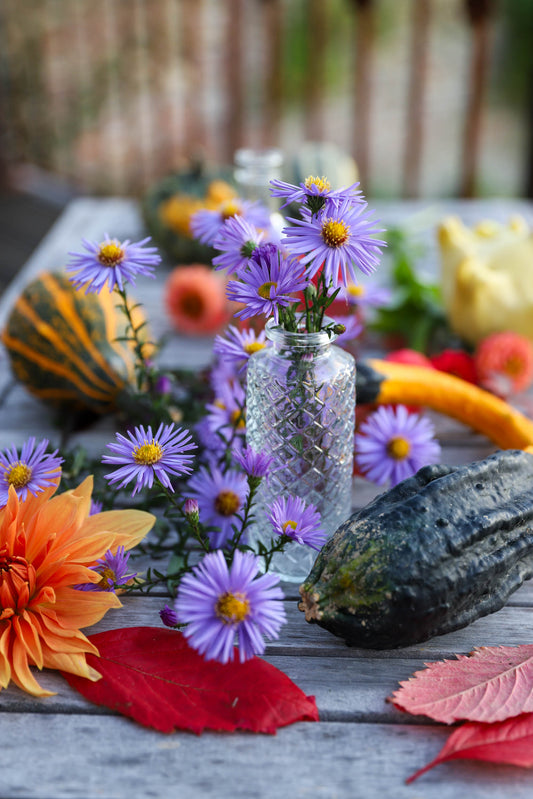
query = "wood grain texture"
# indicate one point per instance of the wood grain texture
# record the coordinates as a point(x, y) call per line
point(63, 747)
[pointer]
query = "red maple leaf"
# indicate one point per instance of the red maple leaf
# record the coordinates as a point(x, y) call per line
point(491, 684)
point(509, 741)
point(153, 676)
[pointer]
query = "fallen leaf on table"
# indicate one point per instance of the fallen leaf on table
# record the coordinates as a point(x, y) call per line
point(153, 676)
point(509, 741)
point(491, 684)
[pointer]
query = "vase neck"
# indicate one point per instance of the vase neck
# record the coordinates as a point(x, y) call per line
point(285, 341)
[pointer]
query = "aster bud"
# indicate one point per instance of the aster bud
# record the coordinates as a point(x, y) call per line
point(168, 616)
point(191, 510)
point(338, 329)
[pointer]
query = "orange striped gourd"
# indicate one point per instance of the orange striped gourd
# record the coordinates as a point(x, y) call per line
point(63, 348)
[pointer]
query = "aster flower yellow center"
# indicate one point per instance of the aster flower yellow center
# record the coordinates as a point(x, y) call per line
point(107, 574)
point(253, 346)
point(354, 290)
point(229, 209)
point(19, 475)
point(335, 232)
point(289, 525)
point(322, 184)
point(148, 453)
point(264, 289)
point(232, 608)
point(227, 503)
point(237, 418)
point(110, 253)
point(398, 448)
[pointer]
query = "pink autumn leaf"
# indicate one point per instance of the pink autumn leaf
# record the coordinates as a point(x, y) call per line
point(509, 741)
point(491, 684)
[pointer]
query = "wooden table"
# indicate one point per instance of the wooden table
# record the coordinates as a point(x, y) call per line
point(62, 746)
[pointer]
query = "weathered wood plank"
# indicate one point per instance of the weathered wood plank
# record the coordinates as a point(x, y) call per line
point(327, 760)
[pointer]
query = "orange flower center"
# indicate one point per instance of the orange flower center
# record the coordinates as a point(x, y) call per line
point(227, 503)
point(335, 232)
point(148, 453)
point(322, 183)
point(354, 290)
point(232, 608)
point(514, 366)
point(17, 583)
point(264, 290)
point(254, 346)
point(110, 253)
point(192, 305)
point(398, 448)
point(19, 475)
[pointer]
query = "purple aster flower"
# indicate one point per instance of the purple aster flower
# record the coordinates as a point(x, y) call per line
point(236, 240)
point(237, 345)
point(31, 471)
point(168, 616)
point(393, 444)
point(226, 415)
point(267, 285)
point(143, 456)
point(311, 189)
point(292, 517)
point(371, 296)
point(96, 507)
point(221, 605)
point(206, 225)
point(254, 464)
point(220, 498)
point(113, 262)
point(113, 569)
point(340, 237)
point(264, 250)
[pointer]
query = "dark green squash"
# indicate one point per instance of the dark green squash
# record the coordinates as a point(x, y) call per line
point(191, 189)
point(431, 555)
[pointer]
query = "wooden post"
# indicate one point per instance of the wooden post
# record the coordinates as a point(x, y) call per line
point(421, 11)
point(478, 13)
point(316, 61)
point(192, 45)
point(234, 77)
point(273, 72)
point(364, 42)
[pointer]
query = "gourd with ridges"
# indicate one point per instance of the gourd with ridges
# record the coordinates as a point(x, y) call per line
point(431, 555)
point(62, 345)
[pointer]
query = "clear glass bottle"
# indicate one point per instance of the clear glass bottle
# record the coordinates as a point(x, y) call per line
point(300, 409)
point(254, 169)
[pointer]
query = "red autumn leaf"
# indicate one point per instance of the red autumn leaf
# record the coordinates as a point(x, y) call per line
point(491, 684)
point(153, 676)
point(509, 741)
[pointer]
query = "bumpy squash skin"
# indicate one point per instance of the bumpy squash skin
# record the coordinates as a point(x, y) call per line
point(61, 344)
point(430, 556)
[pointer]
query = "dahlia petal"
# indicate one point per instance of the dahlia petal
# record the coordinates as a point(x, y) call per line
point(81, 609)
point(29, 638)
point(128, 527)
point(20, 671)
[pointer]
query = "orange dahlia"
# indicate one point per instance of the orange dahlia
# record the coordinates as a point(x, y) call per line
point(504, 363)
point(47, 547)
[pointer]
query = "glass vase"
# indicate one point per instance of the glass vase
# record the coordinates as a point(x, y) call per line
point(300, 409)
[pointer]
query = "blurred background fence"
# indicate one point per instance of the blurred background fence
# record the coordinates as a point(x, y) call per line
point(431, 97)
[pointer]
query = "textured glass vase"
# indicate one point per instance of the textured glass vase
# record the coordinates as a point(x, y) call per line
point(300, 409)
